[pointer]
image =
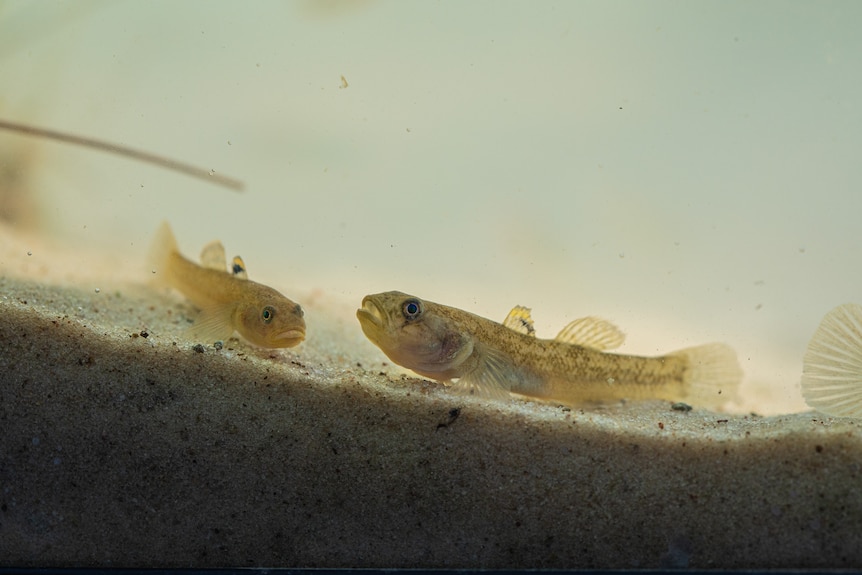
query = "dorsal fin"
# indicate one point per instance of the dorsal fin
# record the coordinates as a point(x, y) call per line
point(212, 256)
point(592, 332)
point(237, 268)
point(519, 320)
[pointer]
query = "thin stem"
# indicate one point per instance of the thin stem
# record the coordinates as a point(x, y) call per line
point(188, 169)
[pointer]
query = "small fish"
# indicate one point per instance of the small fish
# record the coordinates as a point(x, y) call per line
point(832, 366)
point(227, 299)
point(493, 360)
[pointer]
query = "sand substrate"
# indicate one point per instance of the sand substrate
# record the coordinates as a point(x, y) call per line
point(123, 445)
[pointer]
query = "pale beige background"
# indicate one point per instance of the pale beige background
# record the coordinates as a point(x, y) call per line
point(688, 170)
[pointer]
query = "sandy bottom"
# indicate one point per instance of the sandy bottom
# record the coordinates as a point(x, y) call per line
point(123, 445)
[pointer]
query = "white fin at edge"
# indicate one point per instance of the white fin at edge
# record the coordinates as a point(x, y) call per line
point(832, 366)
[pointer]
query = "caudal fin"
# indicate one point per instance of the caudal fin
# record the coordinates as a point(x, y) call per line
point(164, 244)
point(832, 366)
point(713, 374)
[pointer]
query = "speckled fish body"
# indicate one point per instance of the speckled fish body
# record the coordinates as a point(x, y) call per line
point(228, 301)
point(491, 359)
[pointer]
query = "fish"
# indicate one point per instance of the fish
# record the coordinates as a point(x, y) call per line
point(832, 365)
point(481, 357)
point(228, 301)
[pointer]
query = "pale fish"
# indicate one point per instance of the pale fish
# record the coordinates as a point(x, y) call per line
point(494, 360)
point(832, 366)
point(227, 300)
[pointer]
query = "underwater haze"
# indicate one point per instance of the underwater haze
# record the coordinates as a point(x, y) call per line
point(688, 171)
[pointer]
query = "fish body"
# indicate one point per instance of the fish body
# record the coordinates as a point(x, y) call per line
point(832, 366)
point(227, 299)
point(493, 360)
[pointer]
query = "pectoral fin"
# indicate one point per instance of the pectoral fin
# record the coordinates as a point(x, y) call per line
point(592, 332)
point(214, 323)
point(519, 320)
point(491, 379)
point(212, 256)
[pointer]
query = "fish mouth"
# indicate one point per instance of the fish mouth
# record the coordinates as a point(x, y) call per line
point(370, 312)
point(290, 337)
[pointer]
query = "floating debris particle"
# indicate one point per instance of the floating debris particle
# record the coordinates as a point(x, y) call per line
point(344, 83)
point(98, 290)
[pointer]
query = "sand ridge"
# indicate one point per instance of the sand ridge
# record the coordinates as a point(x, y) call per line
point(125, 449)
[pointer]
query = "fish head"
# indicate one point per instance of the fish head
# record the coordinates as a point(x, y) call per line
point(416, 334)
point(270, 320)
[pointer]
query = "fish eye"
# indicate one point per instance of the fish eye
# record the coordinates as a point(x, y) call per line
point(411, 309)
point(267, 314)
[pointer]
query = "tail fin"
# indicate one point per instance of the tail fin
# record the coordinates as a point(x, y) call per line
point(164, 244)
point(713, 374)
point(832, 366)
